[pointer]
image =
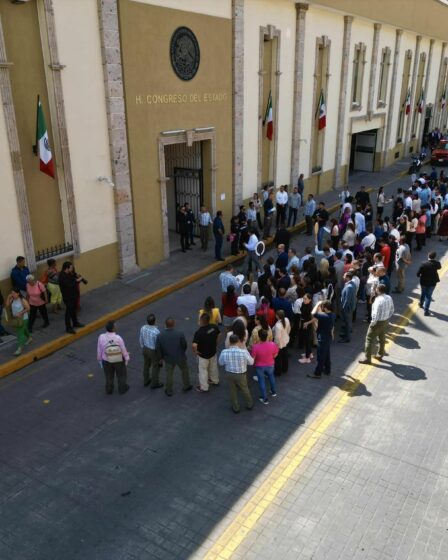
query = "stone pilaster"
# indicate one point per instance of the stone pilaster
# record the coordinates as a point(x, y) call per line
point(14, 149)
point(238, 100)
point(342, 108)
point(61, 123)
point(425, 93)
point(407, 135)
point(118, 142)
point(393, 88)
point(301, 10)
point(373, 68)
point(437, 109)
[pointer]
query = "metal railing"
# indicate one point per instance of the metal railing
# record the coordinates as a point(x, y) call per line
point(49, 252)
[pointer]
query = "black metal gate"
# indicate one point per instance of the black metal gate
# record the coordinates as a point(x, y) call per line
point(189, 187)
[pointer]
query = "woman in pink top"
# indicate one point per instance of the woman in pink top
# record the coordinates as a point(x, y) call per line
point(37, 297)
point(113, 358)
point(264, 354)
point(420, 231)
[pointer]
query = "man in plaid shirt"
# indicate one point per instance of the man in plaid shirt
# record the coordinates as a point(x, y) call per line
point(235, 361)
point(382, 311)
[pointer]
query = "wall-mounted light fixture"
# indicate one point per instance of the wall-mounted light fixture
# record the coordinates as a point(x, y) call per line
point(108, 180)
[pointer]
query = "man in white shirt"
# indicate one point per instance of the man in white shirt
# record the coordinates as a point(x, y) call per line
point(360, 221)
point(281, 199)
point(252, 256)
point(248, 300)
point(204, 225)
point(408, 201)
point(368, 242)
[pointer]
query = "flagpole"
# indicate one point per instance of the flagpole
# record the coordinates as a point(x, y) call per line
point(37, 121)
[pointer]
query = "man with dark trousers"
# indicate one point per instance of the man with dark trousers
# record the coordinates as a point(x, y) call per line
point(324, 317)
point(182, 220)
point(68, 281)
point(429, 278)
point(218, 233)
point(191, 221)
point(171, 347)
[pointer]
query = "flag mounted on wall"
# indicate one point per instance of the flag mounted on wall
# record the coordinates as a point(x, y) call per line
point(420, 103)
point(407, 103)
point(322, 112)
point(268, 119)
point(42, 146)
point(443, 100)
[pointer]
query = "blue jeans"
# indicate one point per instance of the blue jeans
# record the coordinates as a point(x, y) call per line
point(425, 298)
point(320, 235)
point(323, 356)
point(261, 372)
point(346, 325)
point(218, 246)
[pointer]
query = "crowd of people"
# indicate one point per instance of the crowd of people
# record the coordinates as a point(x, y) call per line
point(297, 301)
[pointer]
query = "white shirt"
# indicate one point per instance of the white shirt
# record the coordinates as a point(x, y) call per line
point(368, 242)
point(347, 205)
point(281, 197)
point(252, 243)
point(408, 202)
point(395, 233)
point(249, 301)
point(360, 222)
point(205, 219)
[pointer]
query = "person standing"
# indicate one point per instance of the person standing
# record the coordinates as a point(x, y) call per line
point(68, 282)
point(19, 274)
point(382, 311)
point(348, 306)
point(281, 331)
point(264, 353)
point(301, 188)
point(204, 347)
point(310, 209)
point(429, 278)
point(151, 362)
point(3, 331)
point(325, 318)
point(268, 207)
point(235, 361)
point(19, 308)
point(281, 199)
point(171, 347)
point(218, 232)
point(204, 225)
point(294, 203)
point(402, 260)
point(51, 281)
point(113, 357)
point(227, 279)
point(183, 229)
point(191, 221)
point(321, 216)
point(37, 298)
point(257, 205)
point(252, 256)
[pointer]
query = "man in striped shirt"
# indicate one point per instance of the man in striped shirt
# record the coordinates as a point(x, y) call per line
point(382, 311)
point(148, 340)
point(235, 361)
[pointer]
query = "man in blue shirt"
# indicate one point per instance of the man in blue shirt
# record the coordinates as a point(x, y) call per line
point(310, 208)
point(218, 232)
point(19, 274)
point(348, 306)
point(324, 317)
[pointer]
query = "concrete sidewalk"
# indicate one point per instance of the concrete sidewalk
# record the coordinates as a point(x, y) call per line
point(176, 272)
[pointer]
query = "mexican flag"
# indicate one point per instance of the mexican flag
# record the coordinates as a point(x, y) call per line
point(407, 102)
point(268, 119)
point(322, 111)
point(420, 103)
point(43, 144)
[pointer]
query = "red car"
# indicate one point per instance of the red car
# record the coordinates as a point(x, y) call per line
point(439, 155)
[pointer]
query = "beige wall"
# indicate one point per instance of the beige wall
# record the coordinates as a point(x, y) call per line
point(217, 8)
point(146, 33)
point(84, 96)
point(425, 18)
point(10, 230)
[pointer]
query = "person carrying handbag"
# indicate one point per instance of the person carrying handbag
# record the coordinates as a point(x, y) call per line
point(17, 309)
point(37, 297)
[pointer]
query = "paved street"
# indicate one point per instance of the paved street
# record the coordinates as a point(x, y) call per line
point(332, 469)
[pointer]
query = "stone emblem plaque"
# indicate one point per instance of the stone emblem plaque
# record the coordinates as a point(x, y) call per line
point(185, 54)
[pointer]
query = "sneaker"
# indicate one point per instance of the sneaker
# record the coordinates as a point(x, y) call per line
point(200, 390)
point(427, 313)
point(273, 394)
point(255, 378)
point(304, 361)
point(304, 356)
point(29, 341)
point(18, 352)
point(263, 401)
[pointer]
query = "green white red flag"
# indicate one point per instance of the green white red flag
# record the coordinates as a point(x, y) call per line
point(43, 144)
point(407, 103)
point(420, 103)
point(268, 119)
point(443, 100)
point(322, 109)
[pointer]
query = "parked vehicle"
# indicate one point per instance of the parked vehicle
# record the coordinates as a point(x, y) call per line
point(439, 155)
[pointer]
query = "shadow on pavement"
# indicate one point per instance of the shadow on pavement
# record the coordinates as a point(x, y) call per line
point(353, 387)
point(403, 371)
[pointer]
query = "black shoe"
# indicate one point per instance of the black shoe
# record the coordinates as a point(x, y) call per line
point(192, 243)
point(313, 376)
point(78, 325)
point(235, 411)
point(69, 331)
point(249, 407)
point(327, 373)
point(168, 394)
point(125, 390)
point(189, 249)
point(189, 388)
point(109, 391)
point(158, 386)
point(183, 251)
point(366, 361)
point(45, 325)
point(147, 384)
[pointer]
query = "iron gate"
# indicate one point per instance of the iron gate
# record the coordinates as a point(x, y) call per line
point(189, 187)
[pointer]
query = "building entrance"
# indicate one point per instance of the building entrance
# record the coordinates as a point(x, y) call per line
point(184, 184)
point(362, 155)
